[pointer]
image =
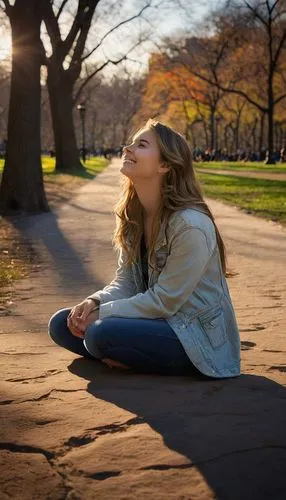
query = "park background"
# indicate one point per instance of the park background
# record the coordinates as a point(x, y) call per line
point(82, 76)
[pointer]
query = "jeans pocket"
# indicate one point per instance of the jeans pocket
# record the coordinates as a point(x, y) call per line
point(215, 328)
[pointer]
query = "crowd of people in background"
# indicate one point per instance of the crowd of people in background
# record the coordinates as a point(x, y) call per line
point(206, 155)
point(199, 154)
point(241, 155)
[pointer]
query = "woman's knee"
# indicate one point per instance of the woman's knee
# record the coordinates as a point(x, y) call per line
point(98, 335)
point(58, 324)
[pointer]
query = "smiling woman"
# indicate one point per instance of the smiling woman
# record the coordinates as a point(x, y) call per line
point(168, 309)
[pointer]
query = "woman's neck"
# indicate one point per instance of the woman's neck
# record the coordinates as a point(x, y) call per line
point(150, 199)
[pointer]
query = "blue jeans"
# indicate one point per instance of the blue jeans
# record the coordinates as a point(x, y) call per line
point(145, 345)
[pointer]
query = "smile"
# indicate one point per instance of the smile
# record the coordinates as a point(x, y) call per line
point(128, 161)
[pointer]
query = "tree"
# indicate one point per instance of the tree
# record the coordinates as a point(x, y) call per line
point(269, 17)
point(250, 65)
point(4, 98)
point(22, 182)
point(64, 68)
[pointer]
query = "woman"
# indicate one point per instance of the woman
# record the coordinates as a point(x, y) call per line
point(168, 310)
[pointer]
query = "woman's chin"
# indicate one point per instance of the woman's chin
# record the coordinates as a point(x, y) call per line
point(126, 171)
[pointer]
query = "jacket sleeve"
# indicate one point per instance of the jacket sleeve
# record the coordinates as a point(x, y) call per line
point(186, 263)
point(123, 285)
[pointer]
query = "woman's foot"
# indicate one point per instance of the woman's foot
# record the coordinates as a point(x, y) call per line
point(115, 364)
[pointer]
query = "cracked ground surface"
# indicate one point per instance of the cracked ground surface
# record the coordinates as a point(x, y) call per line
point(74, 429)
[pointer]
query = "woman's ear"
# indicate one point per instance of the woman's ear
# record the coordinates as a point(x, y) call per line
point(163, 168)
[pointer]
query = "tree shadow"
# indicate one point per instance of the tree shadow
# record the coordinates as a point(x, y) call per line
point(83, 174)
point(42, 230)
point(231, 430)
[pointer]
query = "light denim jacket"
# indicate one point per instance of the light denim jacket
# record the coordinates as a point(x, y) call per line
point(189, 291)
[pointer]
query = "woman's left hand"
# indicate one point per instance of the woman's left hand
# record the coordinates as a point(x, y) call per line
point(78, 326)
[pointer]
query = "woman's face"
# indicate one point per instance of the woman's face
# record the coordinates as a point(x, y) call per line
point(141, 159)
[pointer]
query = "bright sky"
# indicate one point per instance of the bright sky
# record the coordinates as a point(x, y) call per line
point(5, 44)
point(161, 22)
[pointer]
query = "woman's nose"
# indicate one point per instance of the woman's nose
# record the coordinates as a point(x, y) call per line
point(127, 147)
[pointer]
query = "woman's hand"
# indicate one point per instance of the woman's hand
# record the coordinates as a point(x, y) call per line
point(81, 316)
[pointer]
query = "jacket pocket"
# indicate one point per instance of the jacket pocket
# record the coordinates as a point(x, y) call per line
point(161, 257)
point(214, 327)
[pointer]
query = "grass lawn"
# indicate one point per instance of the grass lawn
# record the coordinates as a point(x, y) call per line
point(16, 256)
point(242, 166)
point(93, 165)
point(265, 198)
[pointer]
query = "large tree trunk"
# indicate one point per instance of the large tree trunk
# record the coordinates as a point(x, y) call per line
point(61, 101)
point(22, 183)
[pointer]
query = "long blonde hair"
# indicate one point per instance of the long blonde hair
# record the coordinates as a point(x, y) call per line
point(180, 189)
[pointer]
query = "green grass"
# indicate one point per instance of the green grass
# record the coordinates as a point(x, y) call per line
point(93, 166)
point(241, 166)
point(262, 197)
point(10, 272)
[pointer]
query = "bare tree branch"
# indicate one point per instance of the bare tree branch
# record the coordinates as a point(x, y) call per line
point(256, 13)
point(87, 80)
point(83, 16)
point(64, 2)
point(271, 8)
point(279, 48)
point(227, 89)
point(100, 68)
point(280, 98)
point(115, 28)
point(81, 41)
point(280, 14)
point(52, 26)
point(8, 7)
point(73, 32)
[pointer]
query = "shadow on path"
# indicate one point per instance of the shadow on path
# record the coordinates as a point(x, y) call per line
point(44, 229)
point(232, 430)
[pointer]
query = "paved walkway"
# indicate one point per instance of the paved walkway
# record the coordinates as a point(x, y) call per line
point(73, 429)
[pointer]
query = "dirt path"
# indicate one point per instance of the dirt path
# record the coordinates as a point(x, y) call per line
point(275, 176)
point(72, 429)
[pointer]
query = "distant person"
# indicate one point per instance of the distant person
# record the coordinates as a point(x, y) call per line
point(83, 153)
point(168, 310)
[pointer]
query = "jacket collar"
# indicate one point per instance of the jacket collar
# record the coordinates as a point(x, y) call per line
point(161, 238)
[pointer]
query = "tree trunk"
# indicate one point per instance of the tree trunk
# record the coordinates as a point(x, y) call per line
point(253, 134)
point(237, 127)
point(190, 135)
point(270, 115)
point(212, 129)
point(205, 127)
point(22, 183)
point(93, 130)
point(225, 136)
point(61, 101)
point(261, 134)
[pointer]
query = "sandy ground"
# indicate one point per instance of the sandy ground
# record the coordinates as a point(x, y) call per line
point(74, 429)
